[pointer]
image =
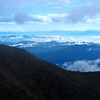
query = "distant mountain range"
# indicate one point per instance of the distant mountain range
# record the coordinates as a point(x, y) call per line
point(67, 55)
point(24, 77)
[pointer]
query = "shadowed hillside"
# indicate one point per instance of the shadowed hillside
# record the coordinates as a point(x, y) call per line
point(24, 77)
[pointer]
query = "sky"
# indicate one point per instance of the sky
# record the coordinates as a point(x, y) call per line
point(48, 15)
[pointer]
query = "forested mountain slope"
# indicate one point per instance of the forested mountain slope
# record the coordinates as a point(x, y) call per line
point(24, 77)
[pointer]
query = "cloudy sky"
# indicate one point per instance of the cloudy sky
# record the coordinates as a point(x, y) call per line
point(46, 15)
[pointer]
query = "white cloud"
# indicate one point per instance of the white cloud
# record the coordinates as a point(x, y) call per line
point(96, 20)
point(48, 18)
point(83, 65)
point(58, 17)
point(40, 18)
point(56, 14)
point(76, 14)
point(84, 13)
point(81, 13)
point(7, 23)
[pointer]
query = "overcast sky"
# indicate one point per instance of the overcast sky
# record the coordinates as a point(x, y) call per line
point(46, 15)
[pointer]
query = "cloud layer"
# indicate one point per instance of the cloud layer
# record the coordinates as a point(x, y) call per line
point(83, 65)
point(60, 13)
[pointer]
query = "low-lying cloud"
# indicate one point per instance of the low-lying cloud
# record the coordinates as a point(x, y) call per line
point(83, 65)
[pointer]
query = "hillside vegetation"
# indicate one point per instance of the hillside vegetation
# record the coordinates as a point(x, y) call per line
point(24, 77)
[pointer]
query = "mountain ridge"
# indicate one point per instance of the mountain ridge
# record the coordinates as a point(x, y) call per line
point(24, 77)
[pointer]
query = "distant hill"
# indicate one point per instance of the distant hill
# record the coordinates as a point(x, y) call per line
point(70, 54)
point(24, 77)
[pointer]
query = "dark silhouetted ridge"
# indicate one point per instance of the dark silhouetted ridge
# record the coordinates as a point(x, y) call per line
point(24, 77)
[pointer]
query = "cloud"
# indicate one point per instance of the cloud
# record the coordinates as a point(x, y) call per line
point(83, 65)
point(58, 17)
point(21, 17)
point(81, 13)
point(39, 18)
point(48, 18)
point(8, 7)
point(18, 4)
point(6, 18)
